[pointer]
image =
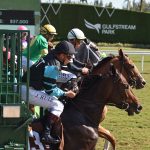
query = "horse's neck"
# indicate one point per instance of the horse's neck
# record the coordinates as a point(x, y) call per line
point(92, 112)
point(117, 63)
point(91, 101)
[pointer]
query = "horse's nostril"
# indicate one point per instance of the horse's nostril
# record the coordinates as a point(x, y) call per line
point(140, 108)
point(144, 82)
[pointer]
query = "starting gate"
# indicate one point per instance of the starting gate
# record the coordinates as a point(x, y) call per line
point(14, 113)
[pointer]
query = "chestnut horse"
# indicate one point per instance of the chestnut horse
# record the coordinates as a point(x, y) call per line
point(126, 67)
point(129, 70)
point(81, 117)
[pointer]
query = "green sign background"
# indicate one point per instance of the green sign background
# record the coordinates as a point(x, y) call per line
point(102, 24)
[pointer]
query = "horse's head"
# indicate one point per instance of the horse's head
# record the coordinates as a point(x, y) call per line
point(122, 95)
point(130, 71)
point(134, 105)
point(110, 88)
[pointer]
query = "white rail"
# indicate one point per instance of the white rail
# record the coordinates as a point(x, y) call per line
point(127, 52)
point(142, 53)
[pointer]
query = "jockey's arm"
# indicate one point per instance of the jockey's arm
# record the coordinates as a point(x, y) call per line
point(77, 69)
point(50, 76)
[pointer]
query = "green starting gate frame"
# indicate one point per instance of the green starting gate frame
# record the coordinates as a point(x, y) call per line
point(14, 113)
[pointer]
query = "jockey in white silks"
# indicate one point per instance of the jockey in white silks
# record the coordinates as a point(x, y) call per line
point(86, 51)
point(43, 89)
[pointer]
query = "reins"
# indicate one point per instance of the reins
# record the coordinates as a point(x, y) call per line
point(101, 77)
point(81, 111)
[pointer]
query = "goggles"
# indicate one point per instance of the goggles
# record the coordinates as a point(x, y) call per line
point(51, 36)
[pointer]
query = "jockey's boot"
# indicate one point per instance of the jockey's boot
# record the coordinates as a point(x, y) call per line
point(49, 120)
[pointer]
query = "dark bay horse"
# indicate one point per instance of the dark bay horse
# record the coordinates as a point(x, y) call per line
point(81, 116)
point(126, 67)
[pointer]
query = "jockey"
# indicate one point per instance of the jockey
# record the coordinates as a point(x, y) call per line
point(76, 65)
point(39, 45)
point(80, 42)
point(43, 77)
point(24, 36)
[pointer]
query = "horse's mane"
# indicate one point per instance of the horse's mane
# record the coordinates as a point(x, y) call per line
point(103, 61)
point(88, 81)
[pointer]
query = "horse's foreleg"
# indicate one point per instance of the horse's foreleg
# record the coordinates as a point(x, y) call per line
point(103, 115)
point(104, 133)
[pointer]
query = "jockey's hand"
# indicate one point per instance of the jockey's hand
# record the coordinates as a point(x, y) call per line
point(70, 94)
point(85, 70)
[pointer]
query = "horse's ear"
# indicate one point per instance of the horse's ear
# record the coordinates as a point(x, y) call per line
point(113, 69)
point(121, 53)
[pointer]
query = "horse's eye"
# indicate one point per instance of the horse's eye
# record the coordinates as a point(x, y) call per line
point(132, 66)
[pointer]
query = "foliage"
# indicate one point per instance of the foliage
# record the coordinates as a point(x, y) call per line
point(141, 5)
point(131, 132)
point(109, 5)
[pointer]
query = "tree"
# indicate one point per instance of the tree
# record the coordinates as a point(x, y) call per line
point(101, 3)
point(128, 4)
point(109, 5)
point(141, 5)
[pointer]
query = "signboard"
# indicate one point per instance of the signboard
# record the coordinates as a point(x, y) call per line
point(17, 17)
point(104, 25)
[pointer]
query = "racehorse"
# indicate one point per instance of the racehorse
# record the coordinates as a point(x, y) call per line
point(124, 65)
point(87, 109)
point(81, 117)
point(129, 70)
point(88, 56)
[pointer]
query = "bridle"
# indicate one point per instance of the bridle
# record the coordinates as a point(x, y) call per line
point(131, 79)
point(116, 79)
